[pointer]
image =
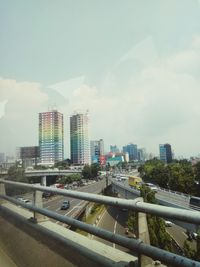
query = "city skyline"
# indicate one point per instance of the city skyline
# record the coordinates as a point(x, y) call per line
point(137, 75)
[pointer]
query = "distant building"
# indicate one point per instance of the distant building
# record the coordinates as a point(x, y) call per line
point(141, 154)
point(2, 157)
point(114, 160)
point(29, 155)
point(132, 151)
point(79, 139)
point(126, 157)
point(114, 149)
point(51, 137)
point(165, 153)
point(96, 150)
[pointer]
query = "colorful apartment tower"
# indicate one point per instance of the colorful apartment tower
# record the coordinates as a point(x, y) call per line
point(79, 139)
point(51, 137)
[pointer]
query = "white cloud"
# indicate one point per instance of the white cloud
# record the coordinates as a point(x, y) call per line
point(2, 108)
point(19, 126)
point(145, 99)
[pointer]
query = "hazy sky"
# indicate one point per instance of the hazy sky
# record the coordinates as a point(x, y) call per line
point(135, 65)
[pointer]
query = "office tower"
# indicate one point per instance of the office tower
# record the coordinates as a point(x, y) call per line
point(96, 150)
point(168, 152)
point(51, 137)
point(165, 153)
point(29, 155)
point(132, 151)
point(79, 139)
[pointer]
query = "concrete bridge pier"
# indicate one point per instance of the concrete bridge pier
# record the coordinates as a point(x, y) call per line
point(37, 196)
point(44, 180)
point(2, 192)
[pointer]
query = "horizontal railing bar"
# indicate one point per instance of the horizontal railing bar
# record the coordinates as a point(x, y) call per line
point(162, 211)
point(132, 244)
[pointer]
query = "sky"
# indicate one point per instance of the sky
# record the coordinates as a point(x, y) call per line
point(134, 65)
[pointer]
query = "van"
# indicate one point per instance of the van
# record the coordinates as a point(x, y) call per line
point(195, 203)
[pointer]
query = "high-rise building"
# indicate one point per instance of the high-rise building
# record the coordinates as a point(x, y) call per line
point(162, 151)
point(165, 153)
point(79, 139)
point(132, 151)
point(96, 150)
point(51, 137)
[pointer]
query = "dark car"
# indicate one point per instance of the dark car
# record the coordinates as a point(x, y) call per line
point(65, 205)
point(47, 194)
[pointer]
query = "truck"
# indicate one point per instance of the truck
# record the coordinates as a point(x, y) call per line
point(135, 181)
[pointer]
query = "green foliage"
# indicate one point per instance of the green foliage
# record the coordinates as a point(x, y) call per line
point(132, 222)
point(95, 208)
point(197, 256)
point(188, 251)
point(177, 176)
point(70, 178)
point(156, 226)
point(16, 174)
point(148, 194)
point(86, 172)
point(61, 165)
point(90, 172)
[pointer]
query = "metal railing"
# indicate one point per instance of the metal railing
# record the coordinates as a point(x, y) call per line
point(133, 244)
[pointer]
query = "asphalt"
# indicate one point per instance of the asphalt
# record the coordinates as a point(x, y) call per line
point(5, 260)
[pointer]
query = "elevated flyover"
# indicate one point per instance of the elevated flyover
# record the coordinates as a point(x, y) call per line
point(92, 253)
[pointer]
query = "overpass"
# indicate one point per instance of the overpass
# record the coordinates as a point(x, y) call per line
point(93, 252)
point(50, 172)
point(164, 197)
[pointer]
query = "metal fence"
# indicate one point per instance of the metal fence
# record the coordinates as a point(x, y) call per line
point(133, 244)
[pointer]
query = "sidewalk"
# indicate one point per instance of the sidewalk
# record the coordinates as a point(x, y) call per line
point(5, 261)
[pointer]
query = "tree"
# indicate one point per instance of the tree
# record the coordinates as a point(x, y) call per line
point(86, 172)
point(63, 164)
point(187, 250)
point(94, 170)
point(197, 256)
point(197, 178)
point(156, 226)
point(16, 174)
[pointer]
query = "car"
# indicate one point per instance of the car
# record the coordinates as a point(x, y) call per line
point(168, 223)
point(153, 187)
point(47, 194)
point(24, 200)
point(65, 205)
point(194, 235)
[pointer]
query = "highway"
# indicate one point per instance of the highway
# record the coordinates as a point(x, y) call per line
point(113, 220)
point(54, 203)
point(179, 199)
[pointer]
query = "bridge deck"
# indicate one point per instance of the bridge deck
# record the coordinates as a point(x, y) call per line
point(36, 244)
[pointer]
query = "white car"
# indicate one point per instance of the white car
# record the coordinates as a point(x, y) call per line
point(168, 223)
point(153, 187)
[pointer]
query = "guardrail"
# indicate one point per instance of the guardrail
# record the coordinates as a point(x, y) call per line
point(134, 244)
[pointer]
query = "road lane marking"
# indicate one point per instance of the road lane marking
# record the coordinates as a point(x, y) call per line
point(185, 234)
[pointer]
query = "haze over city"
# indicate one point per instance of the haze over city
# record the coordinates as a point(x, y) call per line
point(135, 69)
